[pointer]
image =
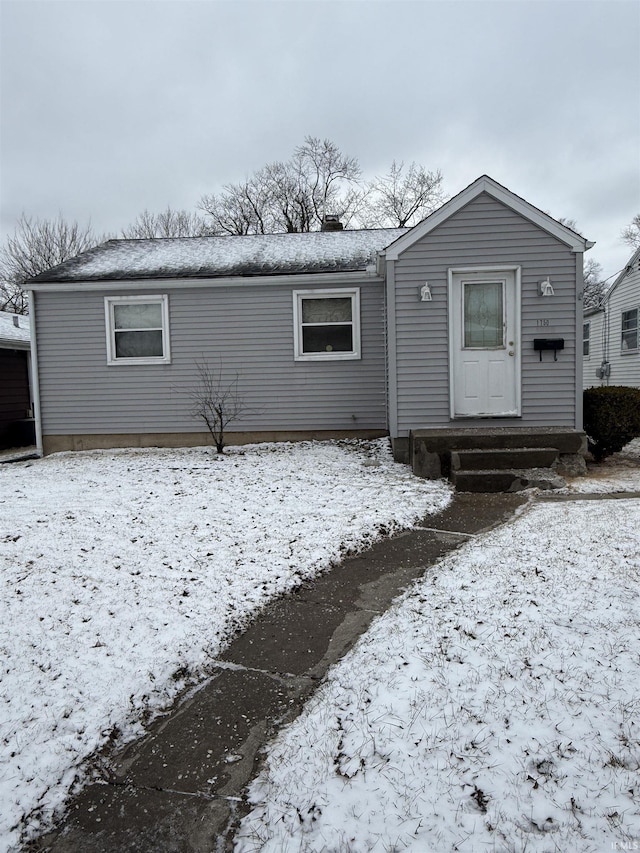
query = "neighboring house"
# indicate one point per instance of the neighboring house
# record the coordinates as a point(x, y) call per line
point(611, 332)
point(16, 426)
point(469, 319)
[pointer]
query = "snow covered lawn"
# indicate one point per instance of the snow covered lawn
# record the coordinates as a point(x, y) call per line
point(495, 707)
point(124, 571)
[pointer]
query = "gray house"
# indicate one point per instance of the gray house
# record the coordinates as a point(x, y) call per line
point(467, 324)
point(611, 332)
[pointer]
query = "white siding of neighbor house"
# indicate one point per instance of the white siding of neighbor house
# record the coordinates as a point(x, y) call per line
point(606, 333)
point(249, 329)
point(591, 362)
point(484, 233)
point(625, 296)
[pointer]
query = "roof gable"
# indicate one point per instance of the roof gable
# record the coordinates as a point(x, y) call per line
point(633, 264)
point(485, 184)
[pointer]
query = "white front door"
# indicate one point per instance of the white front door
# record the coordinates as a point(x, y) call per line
point(484, 342)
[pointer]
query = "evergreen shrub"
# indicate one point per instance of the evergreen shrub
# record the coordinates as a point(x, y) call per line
point(611, 418)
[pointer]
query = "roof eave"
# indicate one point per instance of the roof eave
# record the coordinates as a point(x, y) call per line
point(589, 312)
point(326, 278)
point(10, 343)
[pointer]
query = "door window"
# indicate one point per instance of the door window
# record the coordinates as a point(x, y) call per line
point(483, 320)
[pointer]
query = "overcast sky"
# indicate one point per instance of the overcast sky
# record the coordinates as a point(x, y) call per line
point(113, 106)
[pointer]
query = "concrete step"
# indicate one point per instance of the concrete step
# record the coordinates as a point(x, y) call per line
point(503, 458)
point(430, 450)
point(465, 438)
point(515, 480)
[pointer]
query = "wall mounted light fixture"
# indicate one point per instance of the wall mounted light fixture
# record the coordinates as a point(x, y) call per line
point(546, 288)
point(425, 293)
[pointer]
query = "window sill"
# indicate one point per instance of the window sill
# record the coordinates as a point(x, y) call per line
point(141, 362)
point(328, 356)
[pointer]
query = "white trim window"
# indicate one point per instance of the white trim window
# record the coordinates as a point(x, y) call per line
point(326, 324)
point(629, 338)
point(586, 339)
point(137, 329)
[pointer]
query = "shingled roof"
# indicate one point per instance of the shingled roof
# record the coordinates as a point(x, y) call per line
point(14, 331)
point(223, 257)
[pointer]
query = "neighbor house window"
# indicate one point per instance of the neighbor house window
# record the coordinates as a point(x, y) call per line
point(630, 330)
point(586, 335)
point(326, 324)
point(137, 329)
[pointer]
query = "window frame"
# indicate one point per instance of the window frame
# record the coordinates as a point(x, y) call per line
point(152, 299)
point(629, 350)
point(586, 338)
point(332, 293)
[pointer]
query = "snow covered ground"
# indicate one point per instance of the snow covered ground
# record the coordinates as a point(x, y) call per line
point(123, 572)
point(495, 707)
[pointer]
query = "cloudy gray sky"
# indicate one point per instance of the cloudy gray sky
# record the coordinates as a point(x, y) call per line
point(113, 106)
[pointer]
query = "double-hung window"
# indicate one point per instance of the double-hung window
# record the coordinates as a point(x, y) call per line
point(137, 329)
point(629, 341)
point(326, 324)
point(586, 339)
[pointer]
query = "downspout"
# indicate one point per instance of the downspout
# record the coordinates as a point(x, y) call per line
point(579, 334)
point(606, 333)
point(392, 361)
point(588, 244)
point(35, 377)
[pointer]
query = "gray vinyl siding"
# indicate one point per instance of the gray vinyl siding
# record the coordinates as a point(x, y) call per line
point(484, 233)
point(248, 329)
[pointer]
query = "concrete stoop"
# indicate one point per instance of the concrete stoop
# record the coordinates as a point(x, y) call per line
point(498, 459)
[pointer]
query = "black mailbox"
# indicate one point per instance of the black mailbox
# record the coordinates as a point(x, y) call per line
point(540, 344)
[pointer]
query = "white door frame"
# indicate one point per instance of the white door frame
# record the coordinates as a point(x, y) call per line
point(514, 333)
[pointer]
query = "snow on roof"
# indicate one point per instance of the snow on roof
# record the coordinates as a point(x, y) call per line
point(10, 334)
point(221, 257)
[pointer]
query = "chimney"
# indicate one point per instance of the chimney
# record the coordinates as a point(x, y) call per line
point(331, 223)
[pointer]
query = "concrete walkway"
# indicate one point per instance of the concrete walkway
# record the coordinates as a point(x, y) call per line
point(180, 788)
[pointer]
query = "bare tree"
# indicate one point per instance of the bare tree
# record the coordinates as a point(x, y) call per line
point(631, 234)
point(239, 208)
point(403, 198)
point(169, 223)
point(36, 246)
point(319, 180)
point(569, 223)
point(289, 196)
point(328, 178)
point(13, 297)
point(216, 400)
point(594, 286)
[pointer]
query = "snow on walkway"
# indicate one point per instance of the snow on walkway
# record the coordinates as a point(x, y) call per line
point(495, 707)
point(124, 571)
